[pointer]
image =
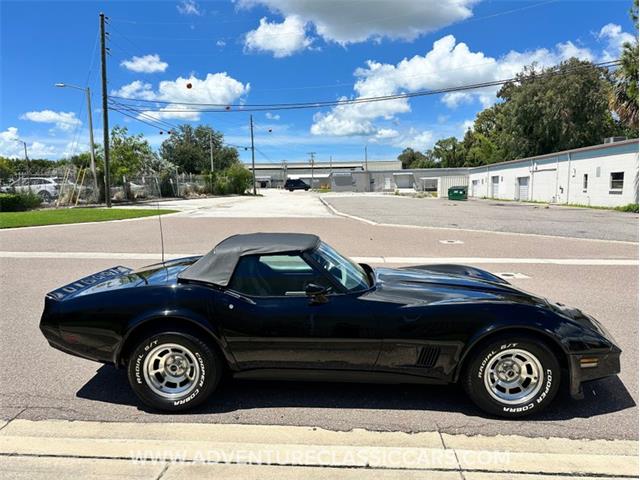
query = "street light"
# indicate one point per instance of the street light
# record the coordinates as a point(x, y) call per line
point(91, 144)
point(26, 157)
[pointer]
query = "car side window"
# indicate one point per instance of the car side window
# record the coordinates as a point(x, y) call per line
point(274, 276)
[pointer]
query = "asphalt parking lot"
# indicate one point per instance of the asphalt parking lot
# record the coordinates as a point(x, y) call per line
point(38, 382)
point(491, 215)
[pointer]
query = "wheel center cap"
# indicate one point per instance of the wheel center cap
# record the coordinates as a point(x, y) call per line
point(176, 365)
point(508, 371)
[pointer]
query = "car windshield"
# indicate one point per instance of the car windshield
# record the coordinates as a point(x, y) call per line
point(351, 275)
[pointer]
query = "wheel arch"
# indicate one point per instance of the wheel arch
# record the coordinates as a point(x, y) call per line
point(137, 329)
point(487, 335)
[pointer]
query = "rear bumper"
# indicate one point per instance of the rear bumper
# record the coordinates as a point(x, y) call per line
point(72, 345)
point(588, 366)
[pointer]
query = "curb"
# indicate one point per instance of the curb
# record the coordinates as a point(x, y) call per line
point(308, 449)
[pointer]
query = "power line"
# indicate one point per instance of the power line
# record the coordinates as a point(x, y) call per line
point(215, 108)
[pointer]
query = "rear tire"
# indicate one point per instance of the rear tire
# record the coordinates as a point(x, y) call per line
point(512, 376)
point(173, 371)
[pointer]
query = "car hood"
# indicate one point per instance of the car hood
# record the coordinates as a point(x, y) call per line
point(418, 285)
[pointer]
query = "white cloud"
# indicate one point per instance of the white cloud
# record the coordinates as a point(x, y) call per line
point(221, 43)
point(615, 38)
point(355, 21)
point(280, 39)
point(385, 133)
point(448, 64)
point(62, 120)
point(215, 88)
point(272, 116)
point(136, 89)
point(189, 7)
point(11, 148)
point(145, 64)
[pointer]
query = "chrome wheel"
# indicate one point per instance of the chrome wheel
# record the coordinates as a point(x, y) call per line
point(171, 370)
point(513, 376)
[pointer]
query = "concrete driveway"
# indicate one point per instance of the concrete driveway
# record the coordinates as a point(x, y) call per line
point(490, 215)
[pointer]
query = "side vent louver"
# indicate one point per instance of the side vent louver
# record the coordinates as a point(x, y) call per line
point(428, 356)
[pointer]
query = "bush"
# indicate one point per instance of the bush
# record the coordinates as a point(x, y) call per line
point(631, 207)
point(239, 178)
point(18, 202)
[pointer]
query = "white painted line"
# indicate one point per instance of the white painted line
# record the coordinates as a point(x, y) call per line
point(373, 260)
point(451, 242)
point(472, 230)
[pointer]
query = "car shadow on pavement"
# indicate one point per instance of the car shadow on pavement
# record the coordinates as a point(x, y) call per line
point(110, 385)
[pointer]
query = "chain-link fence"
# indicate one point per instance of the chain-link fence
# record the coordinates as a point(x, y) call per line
point(76, 186)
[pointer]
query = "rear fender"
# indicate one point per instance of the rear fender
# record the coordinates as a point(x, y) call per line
point(172, 319)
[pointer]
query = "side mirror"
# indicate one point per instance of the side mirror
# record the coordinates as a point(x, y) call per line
point(316, 292)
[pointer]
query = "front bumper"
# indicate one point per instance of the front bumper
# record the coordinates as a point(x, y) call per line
point(588, 366)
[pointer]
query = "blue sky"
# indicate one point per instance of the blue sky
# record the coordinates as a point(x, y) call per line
point(271, 51)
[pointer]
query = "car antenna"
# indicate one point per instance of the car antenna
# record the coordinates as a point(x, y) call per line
point(161, 232)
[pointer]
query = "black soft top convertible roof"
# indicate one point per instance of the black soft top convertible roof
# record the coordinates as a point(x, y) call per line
point(218, 265)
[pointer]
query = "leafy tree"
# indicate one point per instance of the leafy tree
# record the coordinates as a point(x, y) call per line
point(558, 108)
point(479, 149)
point(129, 154)
point(409, 157)
point(624, 97)
point(190, 149)
point(7, 169)
point(449, 153)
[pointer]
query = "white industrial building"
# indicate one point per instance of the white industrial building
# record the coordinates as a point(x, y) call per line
point(601, 175)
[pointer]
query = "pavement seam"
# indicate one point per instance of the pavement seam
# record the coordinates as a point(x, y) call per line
point(378, 224)
point(13, 418)
point(352, 467)
point(164, 470)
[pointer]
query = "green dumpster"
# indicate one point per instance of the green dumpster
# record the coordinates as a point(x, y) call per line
point(458, 193)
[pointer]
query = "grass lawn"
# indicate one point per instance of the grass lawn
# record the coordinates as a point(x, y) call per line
point(73, 215)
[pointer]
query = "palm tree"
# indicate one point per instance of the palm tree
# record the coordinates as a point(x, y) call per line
point(624, 98)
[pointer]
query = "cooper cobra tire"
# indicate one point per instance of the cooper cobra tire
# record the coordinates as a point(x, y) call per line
point(512, 377)
point(173, 371)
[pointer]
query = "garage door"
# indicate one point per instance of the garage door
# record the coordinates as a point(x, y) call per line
point(495, 186)
point(523, 188)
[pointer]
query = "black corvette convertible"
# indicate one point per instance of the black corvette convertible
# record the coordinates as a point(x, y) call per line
point(288, 306)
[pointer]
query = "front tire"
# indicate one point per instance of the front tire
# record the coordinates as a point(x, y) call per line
point(173, 371)
point(512, 377)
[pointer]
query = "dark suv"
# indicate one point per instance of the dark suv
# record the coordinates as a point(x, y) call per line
point(296, 184)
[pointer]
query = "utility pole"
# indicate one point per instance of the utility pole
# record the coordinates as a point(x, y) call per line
point(284, 172)
point(366, 168)
point(312, 161)
point(105, 113)
point(253, 156)
point(26, 158)
point(331, 172)
point(211, 158)
point(92, 146)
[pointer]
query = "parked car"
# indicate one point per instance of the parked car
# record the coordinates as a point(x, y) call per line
point(46, 187)
point(296, 184)
point(288, 306)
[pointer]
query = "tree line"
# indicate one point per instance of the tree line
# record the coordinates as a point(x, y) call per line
point(187, 149)
point(573, 105)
